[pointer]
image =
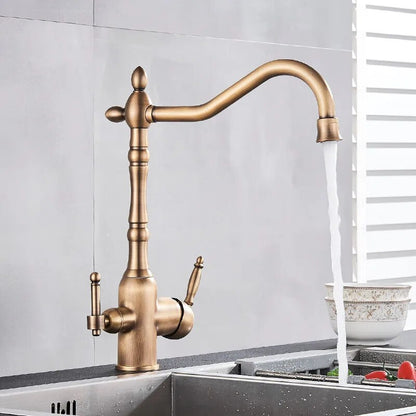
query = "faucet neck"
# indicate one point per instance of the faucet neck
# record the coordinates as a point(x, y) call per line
point(138, 233)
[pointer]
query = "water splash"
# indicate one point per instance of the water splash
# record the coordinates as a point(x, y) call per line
point(330, 157)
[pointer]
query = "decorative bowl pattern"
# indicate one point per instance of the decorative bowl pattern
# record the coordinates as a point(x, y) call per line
point(371, 323)
point(371, 311)
point(371, 293)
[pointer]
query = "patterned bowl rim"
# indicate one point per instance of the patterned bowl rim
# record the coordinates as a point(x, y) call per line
point(370, 286)
point(375, 302)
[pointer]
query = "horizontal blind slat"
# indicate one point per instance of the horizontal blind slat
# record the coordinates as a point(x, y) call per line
point(380, 76)
point(378, 131)
point(391, 213)
point(404, 4)
point(391, 240)
point(391, 104)
point(391, 186)
point(390, 22)
point(391, 159)
point(391, 267)
point(391, 49)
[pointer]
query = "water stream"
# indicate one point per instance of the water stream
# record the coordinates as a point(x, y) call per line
point(94, 353)
point(330, 157)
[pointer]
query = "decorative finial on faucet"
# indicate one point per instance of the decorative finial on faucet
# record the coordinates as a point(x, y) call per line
point(138, 100)
point(139, 79)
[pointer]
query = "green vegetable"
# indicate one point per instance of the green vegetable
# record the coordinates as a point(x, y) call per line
point(390, 376)
point(335, 372)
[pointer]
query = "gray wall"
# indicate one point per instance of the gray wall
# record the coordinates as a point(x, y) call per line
point(245, 189)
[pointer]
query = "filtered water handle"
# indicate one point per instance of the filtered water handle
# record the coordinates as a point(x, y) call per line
point(194, 281)
point(95, 321)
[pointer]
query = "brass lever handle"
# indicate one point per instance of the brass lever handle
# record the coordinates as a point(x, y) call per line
point(95, 321)
point(194, 281)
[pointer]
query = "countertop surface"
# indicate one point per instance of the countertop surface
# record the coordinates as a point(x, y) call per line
point(407, 340)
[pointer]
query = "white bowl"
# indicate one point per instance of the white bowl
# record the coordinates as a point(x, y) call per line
point(371, 293)
point(371, 323)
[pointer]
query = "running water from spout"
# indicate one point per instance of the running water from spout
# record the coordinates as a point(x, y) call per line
point(93, 340)
point(330, 157)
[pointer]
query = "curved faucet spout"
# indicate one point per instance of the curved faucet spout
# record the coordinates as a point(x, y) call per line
point(327, 123)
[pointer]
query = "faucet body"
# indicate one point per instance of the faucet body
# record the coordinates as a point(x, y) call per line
point(141, 316)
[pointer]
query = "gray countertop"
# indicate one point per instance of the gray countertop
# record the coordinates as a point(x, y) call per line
point(406, 340)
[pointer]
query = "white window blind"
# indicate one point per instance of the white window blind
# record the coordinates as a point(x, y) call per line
point(384, 136)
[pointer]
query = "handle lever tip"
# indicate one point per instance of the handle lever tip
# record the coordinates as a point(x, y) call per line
point(199, 261)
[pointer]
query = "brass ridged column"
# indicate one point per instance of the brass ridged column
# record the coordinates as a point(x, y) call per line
point(134, 115)
point(138, 233)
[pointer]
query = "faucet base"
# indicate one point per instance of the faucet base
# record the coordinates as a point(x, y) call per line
point(139, 369)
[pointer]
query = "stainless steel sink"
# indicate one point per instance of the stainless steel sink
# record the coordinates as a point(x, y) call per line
point(218, 389)
point(142, 394)
point(242, 395)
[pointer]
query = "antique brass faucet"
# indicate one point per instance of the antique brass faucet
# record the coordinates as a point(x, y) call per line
point(141, 316)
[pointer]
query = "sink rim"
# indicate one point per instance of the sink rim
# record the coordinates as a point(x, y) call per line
point(214, 371)
point(217, 371)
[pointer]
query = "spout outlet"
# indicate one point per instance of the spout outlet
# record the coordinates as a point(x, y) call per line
point(328, 130)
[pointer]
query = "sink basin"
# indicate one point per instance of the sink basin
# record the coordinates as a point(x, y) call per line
point(135, 394)
point(218, 389)
point(202, 394)
point(233, 395)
